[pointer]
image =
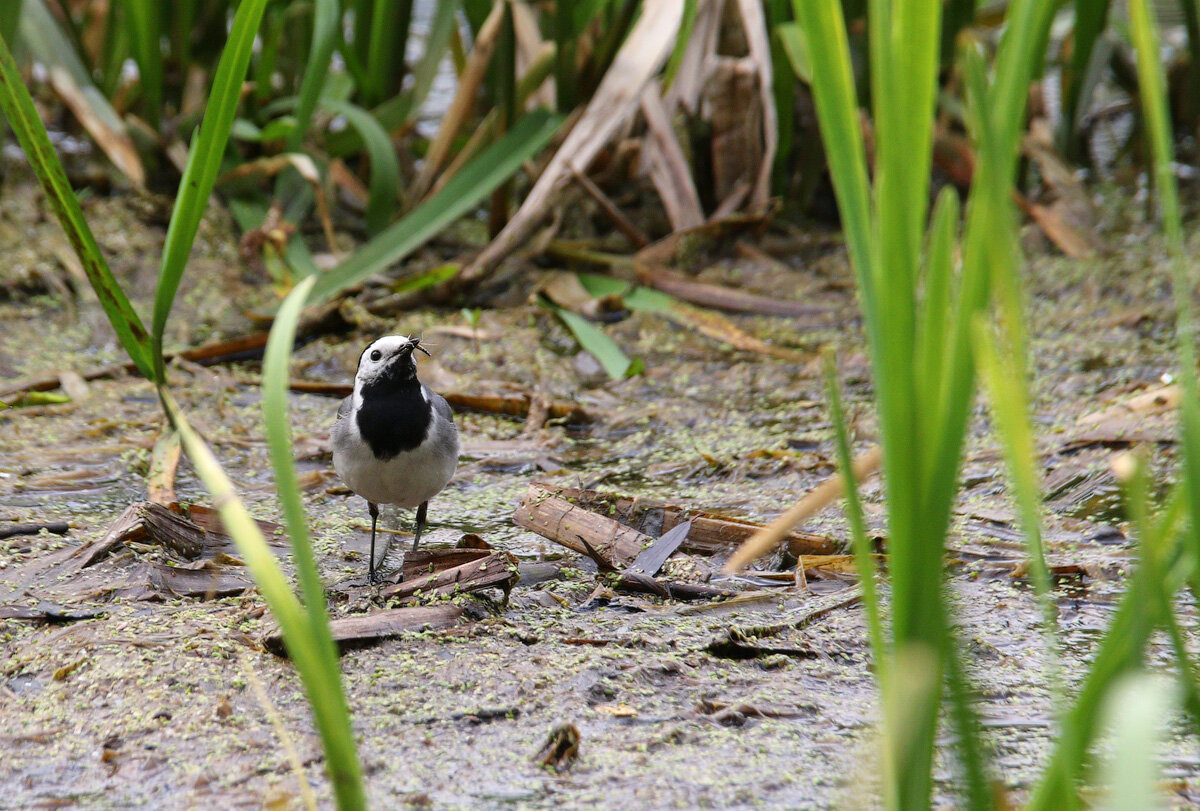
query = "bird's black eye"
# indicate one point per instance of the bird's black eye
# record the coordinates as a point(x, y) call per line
point(376, 355)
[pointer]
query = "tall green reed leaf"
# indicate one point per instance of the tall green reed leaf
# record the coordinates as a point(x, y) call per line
point(922, 368)
point(863, 553)
point(145, 17)
point(463, 192)
point(327, 17)
point(308, 651)
point(1004, 378)
point(10, 18)
point(386, 45)
point(1145, 605)
point(1158, 129)
point(385, 168)
point(1137, 714)
point(323, 683)
point(203, 164)
point(23, 118)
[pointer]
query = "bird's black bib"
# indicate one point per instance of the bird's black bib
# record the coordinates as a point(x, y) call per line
point(394, 417)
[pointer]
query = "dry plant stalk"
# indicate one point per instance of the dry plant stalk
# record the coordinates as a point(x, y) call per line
point(818, 499)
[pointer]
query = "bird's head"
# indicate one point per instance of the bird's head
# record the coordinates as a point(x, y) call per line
point(388, 361)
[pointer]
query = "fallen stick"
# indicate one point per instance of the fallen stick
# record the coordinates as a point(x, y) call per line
point(644, 584)
point(517, 404)
point(578, 528)
point(244, 347)
point(818, 499)
point(724, 298)
point(353, 632)
point(709, 533)
point(13, 530)
point(496, 570)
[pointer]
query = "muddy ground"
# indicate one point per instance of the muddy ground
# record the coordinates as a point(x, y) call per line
point(151, 703)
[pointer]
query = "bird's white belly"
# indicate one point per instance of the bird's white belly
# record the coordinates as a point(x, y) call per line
point(407, 479)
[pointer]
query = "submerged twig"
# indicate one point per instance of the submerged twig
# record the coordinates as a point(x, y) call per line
point(819, 498)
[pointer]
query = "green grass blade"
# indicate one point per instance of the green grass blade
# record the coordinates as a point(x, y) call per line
point(1008, 396)
point(326, 18)
point(1137, 713)
point(23, 118)
point(204, 162)
point(938, 288)
point(1156, 120)
point(321, 684)
point(825, 43)
point(146, 29)
point(791, 38)
point(616, 363)
point(10, 19)
point(1146, 604)
point(385, 48)
point(463, 192)
point(864, 555)
point(332, 712)
point(385, 168)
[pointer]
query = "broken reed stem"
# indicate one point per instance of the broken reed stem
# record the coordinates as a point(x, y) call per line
point(285, 737)
point(818, 499)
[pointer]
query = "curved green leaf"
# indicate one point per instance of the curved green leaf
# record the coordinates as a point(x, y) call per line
point(204, 161)
point(326, 16)
point(385, 169)
point(323, 681)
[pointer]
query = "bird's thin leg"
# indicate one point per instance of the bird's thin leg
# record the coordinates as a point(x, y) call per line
point(420, 523)
point(374, 517)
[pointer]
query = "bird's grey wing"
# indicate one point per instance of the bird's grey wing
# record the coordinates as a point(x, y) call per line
point(443, 408)
point(344, 409)
point(445, 416)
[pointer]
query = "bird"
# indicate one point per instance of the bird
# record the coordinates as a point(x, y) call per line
point(394, 440)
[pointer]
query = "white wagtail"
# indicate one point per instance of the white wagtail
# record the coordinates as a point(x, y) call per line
point(394, 441)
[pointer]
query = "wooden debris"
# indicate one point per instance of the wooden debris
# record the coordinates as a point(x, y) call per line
point(560, 749)
point(669, 590)
point(722, 298)
point(736, 644)
point(209, 520)
point(735, 713)
point(742, 642)
point(202, 579)
point(423, 562)
point(358, 631)
point(578, 528)
point(820, 497)
point(13, 530)
point(164, 462)
point(46, 611)
point(653, 557)
point(146, 522)
point(709, 533)
point(510, 404)
point(494, 570)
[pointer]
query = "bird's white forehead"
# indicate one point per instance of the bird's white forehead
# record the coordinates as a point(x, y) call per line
point(388, 344)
